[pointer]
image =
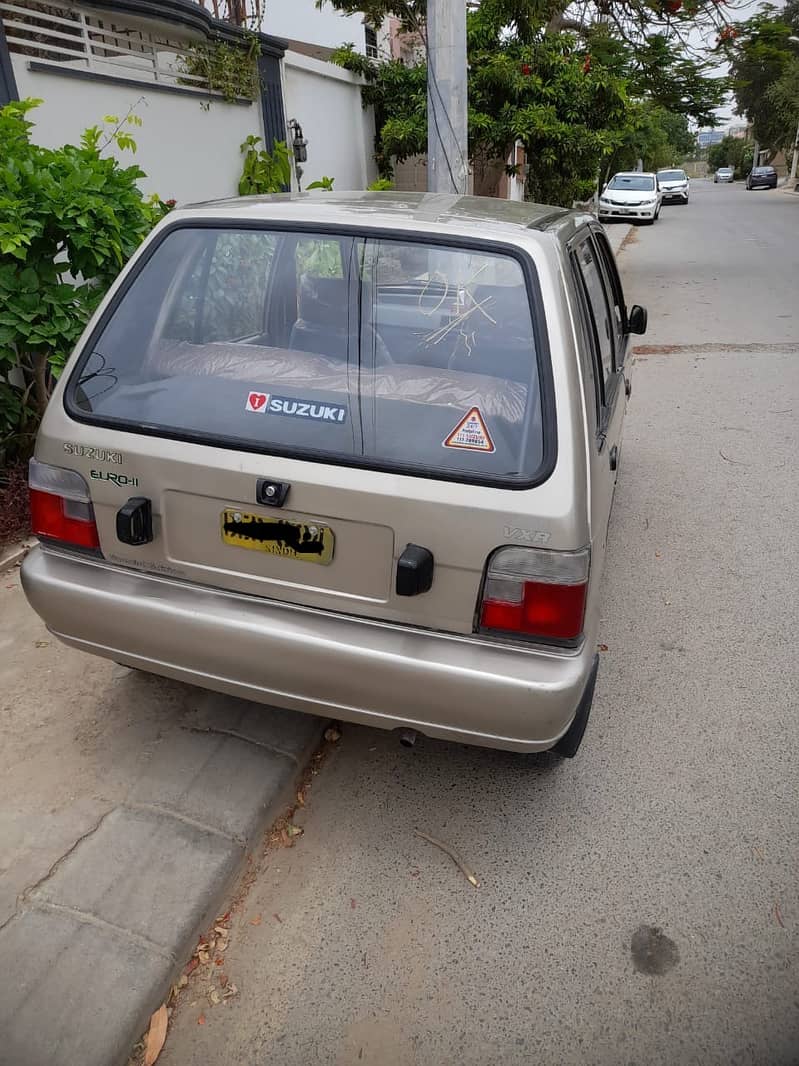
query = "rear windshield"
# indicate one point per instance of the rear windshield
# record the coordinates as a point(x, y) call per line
point(633, 182)
point(764, 170)
point(337, 348)
point(671, 175)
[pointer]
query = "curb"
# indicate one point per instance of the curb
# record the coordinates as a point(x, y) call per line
point(96, 945)
point(12, 554)
point(617, 234)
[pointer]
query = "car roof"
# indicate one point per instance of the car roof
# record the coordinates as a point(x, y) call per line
point(667, 170)
point(414, 212)
point(634, 174)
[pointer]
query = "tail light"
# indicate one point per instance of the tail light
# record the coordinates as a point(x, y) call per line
point(535, 593)
point(61, 508)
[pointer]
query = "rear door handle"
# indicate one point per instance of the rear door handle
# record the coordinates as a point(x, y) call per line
point(614, 457)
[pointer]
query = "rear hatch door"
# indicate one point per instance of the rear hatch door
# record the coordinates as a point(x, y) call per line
point(301, 407)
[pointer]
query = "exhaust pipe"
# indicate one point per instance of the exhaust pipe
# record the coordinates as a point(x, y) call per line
point(407, 737)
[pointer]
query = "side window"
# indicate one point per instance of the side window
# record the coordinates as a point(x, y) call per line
point(604, 328)
point(222, 298)
point(616, 295)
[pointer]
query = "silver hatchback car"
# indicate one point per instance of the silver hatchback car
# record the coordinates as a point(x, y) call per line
point(352, 454)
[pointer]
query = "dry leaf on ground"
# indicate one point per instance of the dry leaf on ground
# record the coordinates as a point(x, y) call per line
point(213, 996)
point(201, 1020)
point(42, 644)
point(332, 734)
point(256, 920)
point(156, 1035)
point(230, 991)
point(294, 830)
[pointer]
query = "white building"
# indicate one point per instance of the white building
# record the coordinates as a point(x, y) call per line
point(301, 20)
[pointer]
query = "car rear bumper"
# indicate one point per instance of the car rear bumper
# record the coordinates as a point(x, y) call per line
point(456, 688)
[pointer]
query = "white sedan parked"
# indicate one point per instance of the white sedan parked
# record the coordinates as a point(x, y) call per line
point(634, 196)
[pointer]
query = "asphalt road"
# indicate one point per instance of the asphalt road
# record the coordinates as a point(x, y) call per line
point(639, 904)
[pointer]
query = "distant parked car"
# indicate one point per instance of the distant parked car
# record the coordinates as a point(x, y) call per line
point(674, 186)
point(724, 174)
point(762, 178)
point(633, 196)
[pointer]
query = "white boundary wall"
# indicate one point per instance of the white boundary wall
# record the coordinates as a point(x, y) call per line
point(326, 101)
point(187, 152)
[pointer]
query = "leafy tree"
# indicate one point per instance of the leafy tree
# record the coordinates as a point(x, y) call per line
point(657, 137)
point(732, 152)
point(662, 70)
point(69, 219)
point(573, 98)
point(783, 97)
point(761, 54)
point(566, 111)
point(632, 20)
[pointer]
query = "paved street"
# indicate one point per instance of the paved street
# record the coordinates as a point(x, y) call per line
point(639, 904)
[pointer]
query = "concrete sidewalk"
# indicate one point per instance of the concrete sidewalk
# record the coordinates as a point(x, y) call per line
point(617, 232)
point(127, 806)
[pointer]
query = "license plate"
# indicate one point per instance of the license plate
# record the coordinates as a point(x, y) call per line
point(306, 541)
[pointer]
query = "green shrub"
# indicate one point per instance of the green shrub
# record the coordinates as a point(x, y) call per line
point(69, 219)
point(263, 173)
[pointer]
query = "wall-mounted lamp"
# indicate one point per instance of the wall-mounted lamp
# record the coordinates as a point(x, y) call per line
point(299, 147)
point(299, 144)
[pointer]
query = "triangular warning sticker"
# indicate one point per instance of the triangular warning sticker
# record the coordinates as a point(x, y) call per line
point(471, 433)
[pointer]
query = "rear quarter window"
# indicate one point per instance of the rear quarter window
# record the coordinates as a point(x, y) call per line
point(351, 348)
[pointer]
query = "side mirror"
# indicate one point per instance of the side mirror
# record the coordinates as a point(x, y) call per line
point(637, 319)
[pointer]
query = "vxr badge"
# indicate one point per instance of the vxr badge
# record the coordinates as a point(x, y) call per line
point(527, 536)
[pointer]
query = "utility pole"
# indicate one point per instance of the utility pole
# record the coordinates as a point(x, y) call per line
point(447, 135)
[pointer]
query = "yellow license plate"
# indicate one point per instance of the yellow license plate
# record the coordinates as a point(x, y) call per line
point(308, 541)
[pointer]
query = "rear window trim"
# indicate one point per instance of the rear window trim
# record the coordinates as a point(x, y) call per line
point(540, 335)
